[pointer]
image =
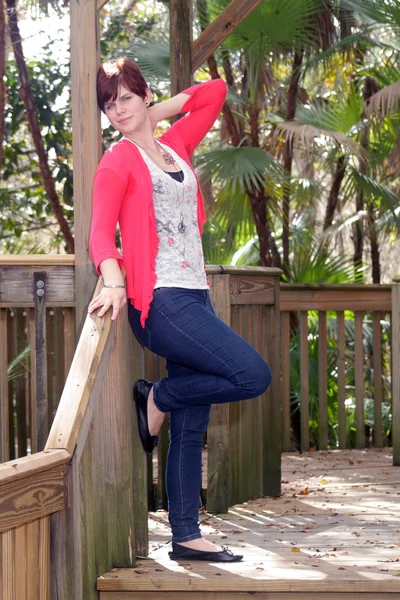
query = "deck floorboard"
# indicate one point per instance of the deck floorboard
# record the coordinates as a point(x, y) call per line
point(334, 530)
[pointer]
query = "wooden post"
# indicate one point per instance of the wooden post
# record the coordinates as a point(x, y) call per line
point(304, 383)
point(105, 525)
point(42, 422)
point(395, 372)
point(4, 411)
point(322, 381)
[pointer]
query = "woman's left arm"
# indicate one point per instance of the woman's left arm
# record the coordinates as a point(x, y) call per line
point(203, 103)
point(167, 108)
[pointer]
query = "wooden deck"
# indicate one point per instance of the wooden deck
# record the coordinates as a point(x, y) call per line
point(334, 533)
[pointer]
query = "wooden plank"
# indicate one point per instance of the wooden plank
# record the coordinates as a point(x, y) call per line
point(245, 424)
point(86, 370)
point(248, 289)
point(50, 366)
point(162, 447)
point(341, 381)
point(271, 405)
point(33, 497)
point(21, 583)
point(234, 427)
point(21, 468)
point(180, 31)
point(32, 571)
point(377, 362)
point(11, 354)
point(218, 428)
point(44, 558)
point(322, 381)
point(42, 422)
point(212, 37)
point(304, 382)
point(69, 339)
point(395, 356)
point(19, 384)
point(4, 414)
point(256, 404)
point(285, 370)
point(359, 379)
point(245, 595)
point(32, 357)
point(17, 285)
point(8, 566)
point(36, 260)
point(336, 298)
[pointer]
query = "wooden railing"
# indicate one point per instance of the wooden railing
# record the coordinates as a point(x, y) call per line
point(77, 508)
point(325, 331)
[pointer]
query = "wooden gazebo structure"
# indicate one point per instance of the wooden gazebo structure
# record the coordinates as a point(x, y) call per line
point(77, 507)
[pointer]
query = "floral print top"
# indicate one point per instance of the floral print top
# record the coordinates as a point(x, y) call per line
point(180, 261)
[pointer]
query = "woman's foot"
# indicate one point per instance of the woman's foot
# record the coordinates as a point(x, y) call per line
point(155, 417)
point(201, 544)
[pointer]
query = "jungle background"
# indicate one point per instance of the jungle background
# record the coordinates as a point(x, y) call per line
point(300, 172)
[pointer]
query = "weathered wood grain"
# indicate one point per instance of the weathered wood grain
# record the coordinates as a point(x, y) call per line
point(322, 382)
point(377, 365)
point(335, 297)
point(359, 378)
point(218, 429)
point(341, 370)
point(252, 290)
point(395, 351)
point(180, 31)
point(285, 370)
point(212, 37)
point(4, 413)
point(42, 421)
point(17, 287)
point(304, 382)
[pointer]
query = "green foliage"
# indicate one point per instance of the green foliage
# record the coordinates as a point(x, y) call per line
point(24, 208)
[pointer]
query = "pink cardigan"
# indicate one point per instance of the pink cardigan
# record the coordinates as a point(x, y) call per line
point(122, 192)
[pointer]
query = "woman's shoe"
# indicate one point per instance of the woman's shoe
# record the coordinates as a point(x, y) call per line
point(180, 552)
point(141, 391)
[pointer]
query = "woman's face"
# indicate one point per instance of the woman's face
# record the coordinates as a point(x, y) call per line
point(128, 112)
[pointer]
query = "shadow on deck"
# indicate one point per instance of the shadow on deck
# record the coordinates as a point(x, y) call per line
point(334, 530)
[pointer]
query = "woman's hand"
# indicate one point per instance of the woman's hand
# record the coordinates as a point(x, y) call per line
point(115, 297)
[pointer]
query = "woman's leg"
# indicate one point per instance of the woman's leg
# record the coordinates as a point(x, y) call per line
point(183, 328)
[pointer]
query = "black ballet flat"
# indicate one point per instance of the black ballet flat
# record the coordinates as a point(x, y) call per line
point(141, 391)
point(180, 552)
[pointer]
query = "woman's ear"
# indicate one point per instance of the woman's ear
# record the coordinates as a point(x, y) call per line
point(148, 97)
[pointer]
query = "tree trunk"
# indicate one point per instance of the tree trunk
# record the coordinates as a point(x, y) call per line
point(373, 238)
point(2, 73)
point(288, 156)
point(34, 126)
point(370, 88)
point(333, 198)
point(269, 253)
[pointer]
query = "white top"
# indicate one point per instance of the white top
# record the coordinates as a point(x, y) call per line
point(180, 261)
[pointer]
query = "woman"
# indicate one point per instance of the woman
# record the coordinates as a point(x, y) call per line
point(149, 186)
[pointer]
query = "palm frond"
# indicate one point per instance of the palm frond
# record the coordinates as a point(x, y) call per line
point(244, 167)
point(384, 102)
point(307, 134)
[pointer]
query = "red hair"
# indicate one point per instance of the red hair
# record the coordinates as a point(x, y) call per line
point(111, 75)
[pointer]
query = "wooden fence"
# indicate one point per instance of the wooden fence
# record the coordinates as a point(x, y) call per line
point(340, 332)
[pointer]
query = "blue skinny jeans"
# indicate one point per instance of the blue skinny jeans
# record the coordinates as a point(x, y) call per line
point(207, 363)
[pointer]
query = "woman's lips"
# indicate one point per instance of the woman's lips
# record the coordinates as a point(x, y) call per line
point(124, 120)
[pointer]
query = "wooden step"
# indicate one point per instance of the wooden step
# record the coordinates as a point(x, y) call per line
point(170, 580)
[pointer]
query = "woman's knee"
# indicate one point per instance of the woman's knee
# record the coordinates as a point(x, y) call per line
point(256, 378)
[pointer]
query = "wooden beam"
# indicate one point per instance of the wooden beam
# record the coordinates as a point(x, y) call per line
point(220, 29)
point(181, 21)
point(86, 141)
point(17, 285)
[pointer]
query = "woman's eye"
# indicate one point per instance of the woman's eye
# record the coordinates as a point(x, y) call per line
point(127, 98)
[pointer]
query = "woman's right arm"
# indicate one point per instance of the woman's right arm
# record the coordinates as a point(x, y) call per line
point(109, 190)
